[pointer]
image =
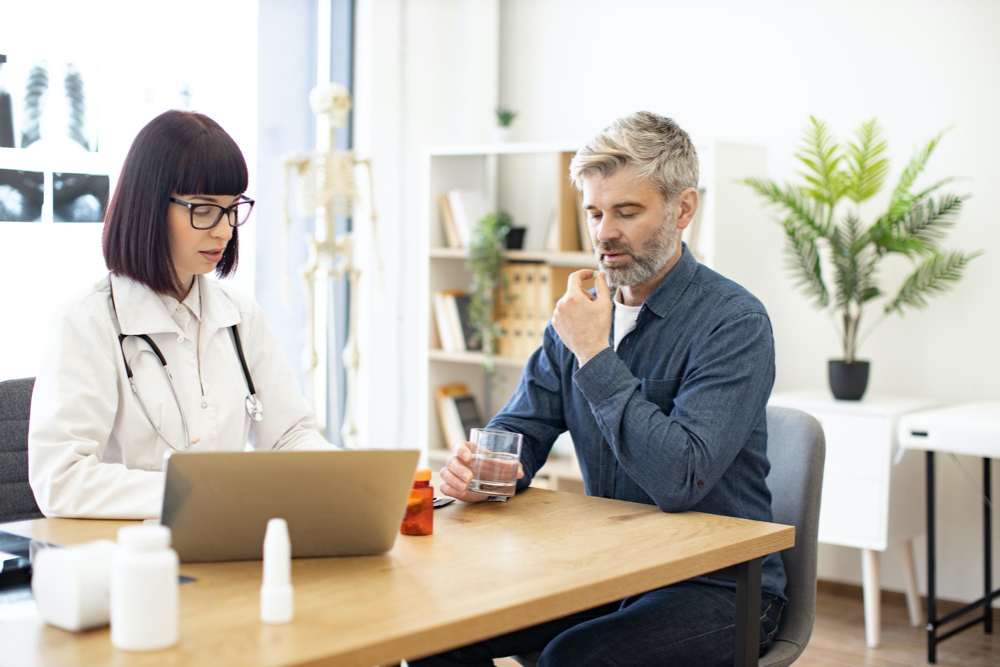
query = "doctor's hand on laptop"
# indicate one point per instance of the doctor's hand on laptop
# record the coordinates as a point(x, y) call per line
point(466, 470)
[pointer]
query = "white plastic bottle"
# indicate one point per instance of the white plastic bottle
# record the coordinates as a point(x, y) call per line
point(276, 599)
point(144, 610)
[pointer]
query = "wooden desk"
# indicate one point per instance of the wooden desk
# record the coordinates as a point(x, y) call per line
point(547, 554)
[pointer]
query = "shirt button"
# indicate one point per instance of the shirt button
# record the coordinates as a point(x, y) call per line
point(204, 405)
point(195, 440)
point(180, 309)
point(701, 483)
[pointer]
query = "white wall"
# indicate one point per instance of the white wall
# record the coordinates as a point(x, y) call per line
point(753, 72)
point(144, 58)
point(426, 72)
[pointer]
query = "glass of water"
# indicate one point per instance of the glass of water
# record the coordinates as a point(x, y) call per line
point(495, 457)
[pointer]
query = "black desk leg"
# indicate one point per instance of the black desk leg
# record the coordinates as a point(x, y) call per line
point(931, 563)
point(987, 551)
point(747, 613)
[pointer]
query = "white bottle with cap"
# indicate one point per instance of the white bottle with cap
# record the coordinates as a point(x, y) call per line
point(276, 600)
point(144, 610)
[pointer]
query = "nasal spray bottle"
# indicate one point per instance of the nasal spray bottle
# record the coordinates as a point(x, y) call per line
point(276, 601)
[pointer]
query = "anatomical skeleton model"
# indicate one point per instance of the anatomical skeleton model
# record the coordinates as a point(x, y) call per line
point(327, 188)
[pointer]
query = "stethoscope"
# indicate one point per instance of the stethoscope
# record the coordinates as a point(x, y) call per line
point(254, 407)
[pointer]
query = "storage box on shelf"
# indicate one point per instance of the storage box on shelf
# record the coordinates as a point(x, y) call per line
point(530, 181)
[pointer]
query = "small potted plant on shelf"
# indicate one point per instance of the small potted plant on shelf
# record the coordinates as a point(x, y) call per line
point(913, 226)
point(486, 258)
point(505, 117)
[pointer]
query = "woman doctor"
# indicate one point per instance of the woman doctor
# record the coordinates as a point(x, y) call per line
point(156, 357)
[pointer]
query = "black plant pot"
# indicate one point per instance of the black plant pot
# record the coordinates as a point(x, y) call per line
point(515, 238)
point(848, 381)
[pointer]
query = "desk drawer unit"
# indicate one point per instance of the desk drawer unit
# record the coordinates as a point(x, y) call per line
point(855, 480)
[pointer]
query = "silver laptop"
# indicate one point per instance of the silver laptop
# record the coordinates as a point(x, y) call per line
point(336, 503)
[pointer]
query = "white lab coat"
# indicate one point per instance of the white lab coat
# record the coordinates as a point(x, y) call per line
point(92, 451)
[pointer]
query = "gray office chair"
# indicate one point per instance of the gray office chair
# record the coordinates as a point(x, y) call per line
point(17, 502)
point(797, 449)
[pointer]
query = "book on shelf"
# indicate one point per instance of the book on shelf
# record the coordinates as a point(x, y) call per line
point(448, 223)
point(467, 208)
point(448, 343)
point(468, 413)
point(473, 342)
point(458, 413)
point(454, 322)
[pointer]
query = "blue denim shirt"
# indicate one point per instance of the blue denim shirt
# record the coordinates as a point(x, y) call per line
point(676, 416)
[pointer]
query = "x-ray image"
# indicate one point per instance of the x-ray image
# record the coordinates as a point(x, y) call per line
point(79, 197)
point(44, 103)
point(21, 195)
point(6, 110)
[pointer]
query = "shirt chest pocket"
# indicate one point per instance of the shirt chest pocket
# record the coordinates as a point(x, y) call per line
point(661, 392)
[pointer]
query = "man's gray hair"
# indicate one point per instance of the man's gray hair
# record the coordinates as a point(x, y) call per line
point(655, 145)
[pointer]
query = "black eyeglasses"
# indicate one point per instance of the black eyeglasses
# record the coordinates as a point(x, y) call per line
point(206, 216)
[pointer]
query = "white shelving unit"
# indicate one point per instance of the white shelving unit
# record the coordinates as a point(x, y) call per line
point(522, 179)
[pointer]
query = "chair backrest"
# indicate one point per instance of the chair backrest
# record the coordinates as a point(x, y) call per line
point(796, 449)
point(17, 502)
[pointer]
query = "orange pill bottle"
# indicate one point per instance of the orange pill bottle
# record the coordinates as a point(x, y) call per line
point(419, 518)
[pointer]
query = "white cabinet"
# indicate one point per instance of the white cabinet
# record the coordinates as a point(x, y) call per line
point(869, 502)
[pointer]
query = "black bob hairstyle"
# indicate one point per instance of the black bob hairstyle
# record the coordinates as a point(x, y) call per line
point(178, 151)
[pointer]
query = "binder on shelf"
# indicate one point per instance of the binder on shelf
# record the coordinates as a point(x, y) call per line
point(448, 223)
point(509, 325)
point(529, 274)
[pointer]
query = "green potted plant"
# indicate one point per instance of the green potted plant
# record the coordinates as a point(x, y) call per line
point(486, 258)
point(822, 220)
point(505, 117)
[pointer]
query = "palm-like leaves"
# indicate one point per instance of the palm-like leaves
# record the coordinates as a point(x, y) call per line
point(820, 153)
point(915, 224)
point(803, 262)
point(867, 168)
point(935, 276)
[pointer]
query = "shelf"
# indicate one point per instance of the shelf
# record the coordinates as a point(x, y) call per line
point(477, 358)
point(582, 259)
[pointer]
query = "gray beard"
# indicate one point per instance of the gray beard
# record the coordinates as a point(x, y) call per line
point(641, 266)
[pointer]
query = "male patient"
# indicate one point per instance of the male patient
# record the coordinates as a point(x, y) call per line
point(662, 379)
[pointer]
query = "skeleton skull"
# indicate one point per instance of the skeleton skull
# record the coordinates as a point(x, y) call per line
point(332, 100)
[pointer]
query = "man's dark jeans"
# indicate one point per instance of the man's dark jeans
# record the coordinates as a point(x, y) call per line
point(690, 623)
